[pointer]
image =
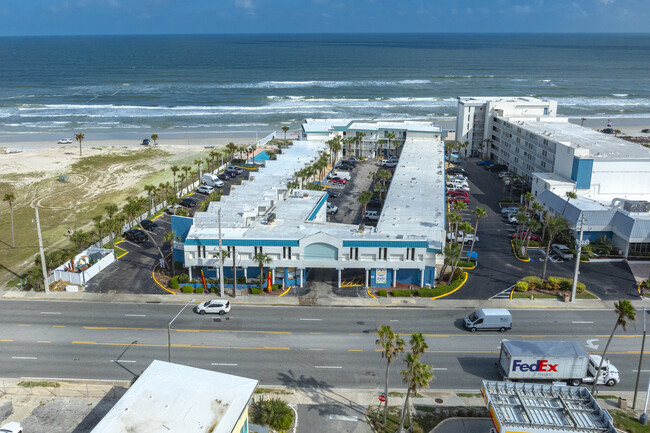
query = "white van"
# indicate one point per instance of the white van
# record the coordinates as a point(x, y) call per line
point(212, 180)
point(342, 174)
point(489, 319)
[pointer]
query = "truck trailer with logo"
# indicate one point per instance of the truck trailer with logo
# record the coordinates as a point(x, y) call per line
point(556, 361)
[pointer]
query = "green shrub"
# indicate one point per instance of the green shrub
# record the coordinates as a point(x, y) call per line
point(173, 283)
point(178, 265)
point(276, 286)
point(402, 293)
point(553, 283)
point(580, 287)
point(241, 279)
point(183, 278)
point(255, 290)
point(425, 292)
point(199, 289)
point(534, 282)
point(273, 413)
point(182, 212)
point(213, 289)
point(465, 264)
point(521, 286)
point(187, 289)
point(565, 283)
point(382, 293)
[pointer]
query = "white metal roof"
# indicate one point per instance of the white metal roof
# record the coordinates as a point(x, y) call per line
point(329, 125)
point(537, 408)
point(518, 99)
point(415, 203)
point(595, 144)
point(179, 399)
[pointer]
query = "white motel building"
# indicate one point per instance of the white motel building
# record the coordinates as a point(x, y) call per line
point(290, 226)
point(610, 176)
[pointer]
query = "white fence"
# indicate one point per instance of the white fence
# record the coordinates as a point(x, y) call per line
point(103, 256)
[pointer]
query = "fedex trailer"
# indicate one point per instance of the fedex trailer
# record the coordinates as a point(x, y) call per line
point(563, 361)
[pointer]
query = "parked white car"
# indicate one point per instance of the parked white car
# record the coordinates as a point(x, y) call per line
point(388, 164)
point(215, 306)
point(469, 237)
point(11, 427)
point(205, 189)
point(65, 141)
point(332, 209)
point(509, 209)
point(371, 215)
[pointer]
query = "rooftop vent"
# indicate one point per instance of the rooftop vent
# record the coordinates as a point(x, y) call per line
point(636, 206)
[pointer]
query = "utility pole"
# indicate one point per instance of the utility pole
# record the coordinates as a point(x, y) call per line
point(220, 256)
point(638, 371)
point(40, 246)
point(576, 271)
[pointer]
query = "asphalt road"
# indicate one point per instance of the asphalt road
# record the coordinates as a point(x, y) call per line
point(498, 269)
point(292, 346)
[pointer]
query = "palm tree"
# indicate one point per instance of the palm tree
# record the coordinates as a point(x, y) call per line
point(417, 375)
point(533, 227)
point(451, 250)
point(81, 239)
point(454, 218)
point(231, 148)
point(364, 199)
point(154, 137)
point(169, 237)
point(181, 179)
point(111, 210)
point(582, 121)
point(331, 143)
point(186, 169)
point(390, 136)
point(285, 128)
point(212, 155)
point(380, 148)
point(626, 313)
point(79, 137)
point(9, 198)
point(99, 226)
point(383, 175)
point(465, 227)
point(348, 142)
point(262, 260)
point(391, 345)
point(150, 190)
point(174, 169)
point(360, 136)
point(554, 225)
point(487, 142)
point(198, 163)
point(479, 213)
point(569, 195)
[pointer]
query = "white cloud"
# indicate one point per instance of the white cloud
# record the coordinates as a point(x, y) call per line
point(245, 4)
point(607, 2)
point(521, 9)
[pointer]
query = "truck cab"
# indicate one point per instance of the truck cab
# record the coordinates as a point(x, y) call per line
point(608, 373)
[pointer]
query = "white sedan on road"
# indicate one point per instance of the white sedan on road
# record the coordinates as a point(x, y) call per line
point(11, 427)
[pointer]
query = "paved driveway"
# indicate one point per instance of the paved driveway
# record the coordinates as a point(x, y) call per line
point(498, 269)
point(348, 199)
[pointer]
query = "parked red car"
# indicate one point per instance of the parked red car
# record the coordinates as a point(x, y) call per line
point(531, 236)
point(338, 180)
point(457, 192)
point(458, 198)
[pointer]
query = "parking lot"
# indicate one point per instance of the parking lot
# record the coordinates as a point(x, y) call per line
point(349, 208)
point(498, 269)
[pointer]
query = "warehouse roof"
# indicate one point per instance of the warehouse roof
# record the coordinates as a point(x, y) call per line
point(544, 408)
point(176, 398)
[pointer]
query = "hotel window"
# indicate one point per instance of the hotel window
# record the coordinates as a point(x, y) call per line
point(354, 253)
point(202, 251)
point(383, 253)
point(286, 253)
point(258, 250)
point(410, 254)
point(545, 111)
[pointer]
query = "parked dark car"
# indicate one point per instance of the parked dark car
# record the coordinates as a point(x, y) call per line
point(224, 176)
point(333, 193)
point(457, 170)
point(148, 225)
point(374, 203)
point(485, 162)
point(345, 167)
point(136, 236)
point(188, 202)
point(608, 131)
point(496, 167)
point(145, 142)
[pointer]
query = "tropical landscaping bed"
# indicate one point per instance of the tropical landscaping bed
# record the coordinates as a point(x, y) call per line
point(425, 292)
point(532, 287)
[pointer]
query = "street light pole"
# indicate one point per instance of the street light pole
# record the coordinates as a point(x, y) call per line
point(638, 372)
point(40, 247)
point(577, 267)
point(221, 285)
point(169, 331)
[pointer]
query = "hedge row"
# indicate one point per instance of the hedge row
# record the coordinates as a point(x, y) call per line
point(552, 284)
point(425, 292)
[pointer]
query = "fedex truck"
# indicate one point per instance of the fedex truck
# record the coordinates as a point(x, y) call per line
point(563, 361)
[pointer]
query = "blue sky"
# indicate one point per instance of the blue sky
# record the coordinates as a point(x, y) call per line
point(87, 17)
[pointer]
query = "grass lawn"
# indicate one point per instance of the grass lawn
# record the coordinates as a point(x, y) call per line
point(526, 295)
point(628, 423)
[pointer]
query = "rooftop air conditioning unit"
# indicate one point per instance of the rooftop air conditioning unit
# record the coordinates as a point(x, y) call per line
point(636, 206)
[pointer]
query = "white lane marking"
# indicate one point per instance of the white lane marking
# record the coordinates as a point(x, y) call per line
point(582, 322)
point(49, 312)
point(121, 360)
point(642, 371)
point(394, 320)
point(23, 357)
point(344, 418)
point(329, 366)
point(135, 315)
point(441, 369)
point(226, 364)
point(310, 319)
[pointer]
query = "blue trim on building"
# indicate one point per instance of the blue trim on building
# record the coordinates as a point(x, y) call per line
point(581, 172)
point(245, 242)
point(373, 278)
point(387, 243)
point(181, 225)
point(318, 207)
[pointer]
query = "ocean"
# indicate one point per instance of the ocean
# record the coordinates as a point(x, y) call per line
point(188, 84)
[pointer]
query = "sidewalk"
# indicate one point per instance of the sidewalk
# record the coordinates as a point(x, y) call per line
point(323, 301)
